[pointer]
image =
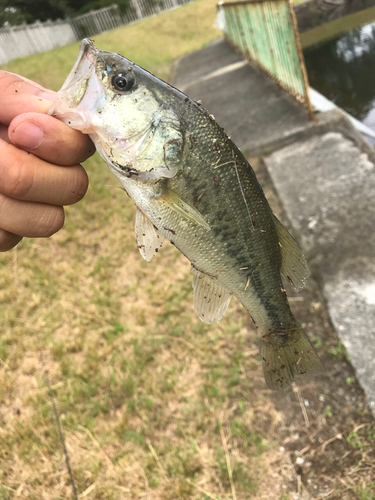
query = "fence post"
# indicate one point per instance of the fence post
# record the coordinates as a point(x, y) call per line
point(271, 28)
point(135, 5)
point(25, 40)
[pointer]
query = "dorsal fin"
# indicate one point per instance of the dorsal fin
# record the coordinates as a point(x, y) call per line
point(294, 266)
point(211, 300)
point(149, 239)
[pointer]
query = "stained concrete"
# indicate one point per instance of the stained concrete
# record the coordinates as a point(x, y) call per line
point(324, 174)
point(254, 111)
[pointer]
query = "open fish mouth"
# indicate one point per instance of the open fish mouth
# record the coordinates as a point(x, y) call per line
point(84, 67)
point(72, 106)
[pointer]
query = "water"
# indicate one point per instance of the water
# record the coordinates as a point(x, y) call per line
point(343, 70)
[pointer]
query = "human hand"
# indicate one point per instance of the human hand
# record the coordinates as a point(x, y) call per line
point(39, 162)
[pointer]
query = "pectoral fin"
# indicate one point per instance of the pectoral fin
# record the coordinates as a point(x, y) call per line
point(294, 266)
point(211, 300)
point(172, 200)
point(149, 239)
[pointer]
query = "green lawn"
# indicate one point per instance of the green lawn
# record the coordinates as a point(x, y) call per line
point(153, 43)
point(153, 403)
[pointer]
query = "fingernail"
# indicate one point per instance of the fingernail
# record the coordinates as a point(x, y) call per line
point(27, 135)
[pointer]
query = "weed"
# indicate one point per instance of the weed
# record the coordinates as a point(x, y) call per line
point(339, 352)
point(363, 492)
point(253, 441)
point(370, 432)
point(6, 493)
point(317, 342)
point(328, 411)
point(355, 441)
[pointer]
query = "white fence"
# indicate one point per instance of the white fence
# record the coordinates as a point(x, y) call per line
point(21, 41)
point(28, 39)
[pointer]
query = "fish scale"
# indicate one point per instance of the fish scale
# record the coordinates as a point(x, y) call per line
point(192, 185)
point(243, 245)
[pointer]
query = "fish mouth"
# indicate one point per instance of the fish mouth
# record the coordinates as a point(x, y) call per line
point(75, 85)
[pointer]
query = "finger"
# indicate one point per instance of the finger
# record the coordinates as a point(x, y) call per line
point(4, 133)
point(8, 240)
point(34, 84)
point(19, 95)
point(30, 219)
point(50, 139)
point(25, 177)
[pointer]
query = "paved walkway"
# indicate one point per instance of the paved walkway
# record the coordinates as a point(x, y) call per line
point(324, 173)
point(247, 103)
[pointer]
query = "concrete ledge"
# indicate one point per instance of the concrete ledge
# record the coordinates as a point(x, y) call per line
point(326, 184)
point(255, 112)
point(324, 174)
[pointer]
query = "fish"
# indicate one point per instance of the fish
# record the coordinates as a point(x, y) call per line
point(192, 185)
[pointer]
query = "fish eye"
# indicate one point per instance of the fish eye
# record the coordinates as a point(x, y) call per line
point(123, 81)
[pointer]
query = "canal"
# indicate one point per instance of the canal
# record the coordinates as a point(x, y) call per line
point(340, 62)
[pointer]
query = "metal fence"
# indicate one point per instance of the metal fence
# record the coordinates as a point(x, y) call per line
point(266, 32)
point(28, 39)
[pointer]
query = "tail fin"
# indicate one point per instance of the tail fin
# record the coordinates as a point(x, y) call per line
point(285, 355)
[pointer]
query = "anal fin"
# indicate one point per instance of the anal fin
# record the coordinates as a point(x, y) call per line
point(294, 266)
point(149, 239)
point(210, 299)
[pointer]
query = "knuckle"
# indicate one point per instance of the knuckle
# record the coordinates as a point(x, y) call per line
point(17, 180)
point(10, 83)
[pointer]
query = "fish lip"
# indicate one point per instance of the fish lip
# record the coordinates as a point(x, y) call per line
point(88, 53)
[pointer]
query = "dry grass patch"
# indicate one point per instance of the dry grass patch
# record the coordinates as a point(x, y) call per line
point(153, 403)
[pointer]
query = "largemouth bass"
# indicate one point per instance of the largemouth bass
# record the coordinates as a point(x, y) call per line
point(192, 185)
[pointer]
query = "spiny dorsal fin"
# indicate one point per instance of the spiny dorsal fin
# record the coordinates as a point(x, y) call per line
point(294, 266)
point(149, 239)
point(211, 300)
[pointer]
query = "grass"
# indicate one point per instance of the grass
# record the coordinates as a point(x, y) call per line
point(153, 403)
point(144, 390)
point(153, 43)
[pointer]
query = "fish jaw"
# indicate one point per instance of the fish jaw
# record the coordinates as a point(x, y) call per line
point(80, 82)
point(83, 68)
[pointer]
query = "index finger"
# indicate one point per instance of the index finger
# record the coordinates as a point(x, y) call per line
point(20, 95)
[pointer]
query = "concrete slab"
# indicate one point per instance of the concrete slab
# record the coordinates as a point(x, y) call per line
point(326, 184)
point(191, 68)
point(255, 111)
